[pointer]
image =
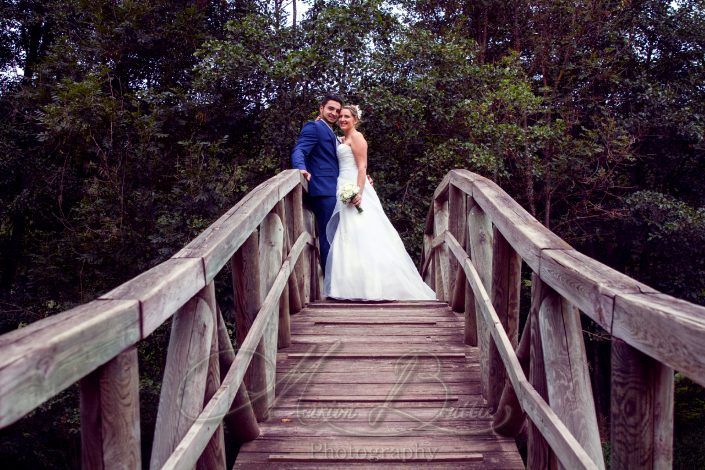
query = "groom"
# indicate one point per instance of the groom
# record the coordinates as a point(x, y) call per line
point(315, 155)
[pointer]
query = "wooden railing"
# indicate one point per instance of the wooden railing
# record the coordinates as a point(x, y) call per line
point(267, 238)
point(652, 333)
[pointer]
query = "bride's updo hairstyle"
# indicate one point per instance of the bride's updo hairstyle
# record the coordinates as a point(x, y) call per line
point(355, 111)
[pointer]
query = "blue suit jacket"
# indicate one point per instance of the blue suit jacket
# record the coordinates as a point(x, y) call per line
point(315, 153)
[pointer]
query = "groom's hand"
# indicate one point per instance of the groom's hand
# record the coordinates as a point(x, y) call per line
point(306, 174)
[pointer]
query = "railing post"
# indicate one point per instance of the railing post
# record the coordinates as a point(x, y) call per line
point(457, 227)
point(240, 420)
point(567, 377)
point(539, 455)
point(110, 414)
point(314, 264)
point(506, 282)
point(480, 238)
point(441, 266)
point(246, 288)
point(213, 456)
point(185, 376)
point(295, 212)
point(270, 256)
point(641, 410)
point(290, 294)
point(429, 277)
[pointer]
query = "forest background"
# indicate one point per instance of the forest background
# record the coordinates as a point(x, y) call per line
point(128, 127)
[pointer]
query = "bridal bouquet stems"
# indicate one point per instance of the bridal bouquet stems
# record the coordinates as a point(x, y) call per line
point(348, 192)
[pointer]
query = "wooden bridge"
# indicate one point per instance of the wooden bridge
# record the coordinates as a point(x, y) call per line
point(317, 384)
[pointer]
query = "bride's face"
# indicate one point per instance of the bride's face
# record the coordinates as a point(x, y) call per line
point(346, 120)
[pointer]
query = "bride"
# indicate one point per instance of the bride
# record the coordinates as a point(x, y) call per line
point(367, 259)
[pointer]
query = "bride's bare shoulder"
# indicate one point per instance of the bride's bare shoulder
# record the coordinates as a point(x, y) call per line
point(358, 138)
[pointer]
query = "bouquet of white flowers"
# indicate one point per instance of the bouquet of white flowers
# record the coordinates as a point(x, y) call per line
point(348, 192)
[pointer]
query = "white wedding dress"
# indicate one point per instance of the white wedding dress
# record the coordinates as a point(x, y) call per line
point(367, 259)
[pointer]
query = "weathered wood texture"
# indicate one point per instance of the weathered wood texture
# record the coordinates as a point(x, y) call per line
point(42, 359)
point(456, 226)
point(480, 241)
point(248, 300)
point(270, 255)
point(506, 284)
point(213, 457)
point(564, 444)
point(538, 454)
point(441, 262)
point(110, 415)
point(567, 377)
point(219, 241)
point(198, 435)
point(185, 374)
point(641, 410)
point(344, 411)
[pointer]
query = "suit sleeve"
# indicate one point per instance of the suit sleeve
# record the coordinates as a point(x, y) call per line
point(306, 142)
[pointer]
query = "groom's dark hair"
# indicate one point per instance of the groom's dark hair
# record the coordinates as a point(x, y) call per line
point(331, 97)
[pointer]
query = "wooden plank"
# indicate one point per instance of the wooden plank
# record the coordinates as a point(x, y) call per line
point(110, 414)
point(213, 456)
point(299, 227)
point(194, 441)
point(589, 285)
point(161, 290)
point(184, 382)
point(566, 447)
point(217, 244)
point(538, 454)
point(363, 457)
point(480, 235)
point(641, 410)
point(270, 256)
point(668, 329)
point(240, 419)
point(248, 300)
point(441, 258)
point(440, 195)
point(567, 376)
point(456, 226)
point(523, 232)
point(506, 285)
point(42, 359)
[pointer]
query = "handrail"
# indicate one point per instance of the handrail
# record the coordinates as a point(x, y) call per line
point(668, 329)
point(42, 359)
point(652, 333)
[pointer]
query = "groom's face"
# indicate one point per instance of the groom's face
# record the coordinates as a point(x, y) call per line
point(330, 111)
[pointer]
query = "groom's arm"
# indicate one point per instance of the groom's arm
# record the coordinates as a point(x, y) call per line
point(306, 142)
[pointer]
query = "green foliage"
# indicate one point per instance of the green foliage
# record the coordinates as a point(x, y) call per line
point(137, 124)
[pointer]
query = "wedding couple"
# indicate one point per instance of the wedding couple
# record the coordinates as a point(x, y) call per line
point(362, 254)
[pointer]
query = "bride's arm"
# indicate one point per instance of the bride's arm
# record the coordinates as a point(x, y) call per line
point(359, 149)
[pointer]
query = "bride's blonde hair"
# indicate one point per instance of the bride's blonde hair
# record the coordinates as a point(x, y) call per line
point(355, 111)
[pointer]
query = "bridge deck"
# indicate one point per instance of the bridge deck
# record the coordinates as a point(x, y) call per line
point(378, 384)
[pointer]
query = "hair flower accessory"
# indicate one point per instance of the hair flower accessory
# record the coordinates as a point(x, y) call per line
point(357, 109)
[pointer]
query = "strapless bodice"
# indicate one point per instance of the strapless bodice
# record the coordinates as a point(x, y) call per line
point(346, 159)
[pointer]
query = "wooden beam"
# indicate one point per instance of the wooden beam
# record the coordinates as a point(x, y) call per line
point(195, 440)
point(457, 226)
point(248, 300)
point(270, 256)
point(566, 447)
point(441, 266)
point(213, 456)
point(240, 419)
point(184, 381)
point(506, 285)
point(110, 414)
point(538, 454)
point(69, 346)
point(480, 235)
point(567, 376)
point(641, 410)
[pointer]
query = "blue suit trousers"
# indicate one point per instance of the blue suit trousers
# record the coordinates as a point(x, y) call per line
point(322, 207)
